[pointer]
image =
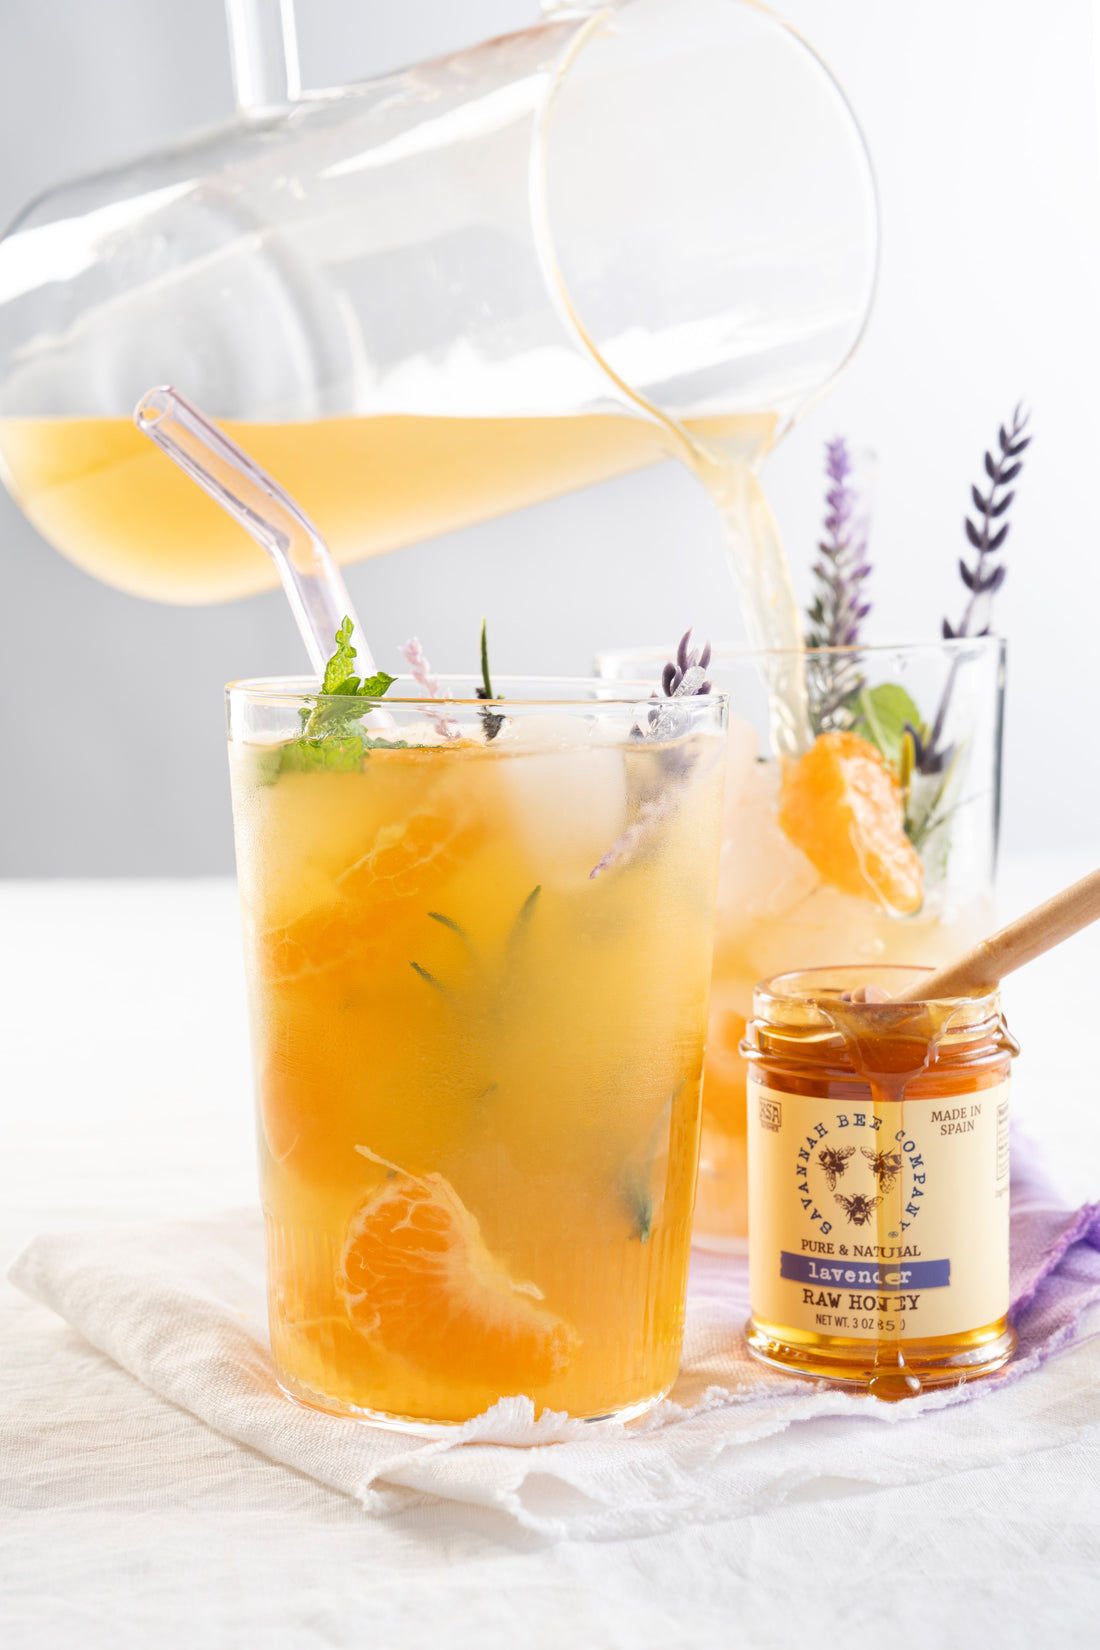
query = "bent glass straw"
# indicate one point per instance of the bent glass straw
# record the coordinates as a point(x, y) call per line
point(313, 583)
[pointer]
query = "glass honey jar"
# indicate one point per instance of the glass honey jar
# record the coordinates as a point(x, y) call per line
point(878, 1181)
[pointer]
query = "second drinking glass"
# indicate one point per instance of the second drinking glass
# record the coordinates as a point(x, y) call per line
point(878, 844)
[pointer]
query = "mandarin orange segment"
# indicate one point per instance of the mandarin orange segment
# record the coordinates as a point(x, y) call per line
point(842, 806)
point(403, 861)
point(724, 1074)
point(417, 1277)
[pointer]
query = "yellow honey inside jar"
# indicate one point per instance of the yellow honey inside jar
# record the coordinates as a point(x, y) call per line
point(878, 1181)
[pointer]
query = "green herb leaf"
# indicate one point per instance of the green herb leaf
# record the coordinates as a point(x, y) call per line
point(338, 669)
point(491, 721)
point(637, 1173)
point(883, 713)
point(339, 753)
point(340, 681)
point(639, 1206)
point(330, 716)
point(485, 682)
point(429, 978)
point(374, 687)
point(448, 922)
point(524, 915)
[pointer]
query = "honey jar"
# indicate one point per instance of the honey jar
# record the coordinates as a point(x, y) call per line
point(878, 1181)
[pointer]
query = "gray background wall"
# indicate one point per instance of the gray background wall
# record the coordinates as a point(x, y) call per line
point(981, 117)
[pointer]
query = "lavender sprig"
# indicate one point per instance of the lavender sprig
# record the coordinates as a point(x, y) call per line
point(839, 605)
point(425, 677)
point(686, 674)
point(986, 537)
point(684, 677)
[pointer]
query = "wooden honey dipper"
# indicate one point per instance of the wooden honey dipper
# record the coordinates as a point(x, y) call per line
point(986, 964)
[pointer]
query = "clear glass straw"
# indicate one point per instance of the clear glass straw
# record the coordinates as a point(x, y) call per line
point(313, 583)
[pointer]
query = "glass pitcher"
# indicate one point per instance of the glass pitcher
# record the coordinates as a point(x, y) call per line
point(443, 294)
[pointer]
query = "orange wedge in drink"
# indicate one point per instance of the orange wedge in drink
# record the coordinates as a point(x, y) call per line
point(842, 806)
point(404, 860)
point(417, 1277)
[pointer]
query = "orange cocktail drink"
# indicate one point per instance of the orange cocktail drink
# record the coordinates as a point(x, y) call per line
point(478, 1064)
point(847, 853)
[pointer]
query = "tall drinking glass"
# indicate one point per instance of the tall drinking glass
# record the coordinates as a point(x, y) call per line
point(478, 950)
point(877, 845)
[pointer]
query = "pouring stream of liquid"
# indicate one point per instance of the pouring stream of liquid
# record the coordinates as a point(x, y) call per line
point(726, 469)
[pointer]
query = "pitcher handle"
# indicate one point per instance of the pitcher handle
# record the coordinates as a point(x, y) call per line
point(263, 52)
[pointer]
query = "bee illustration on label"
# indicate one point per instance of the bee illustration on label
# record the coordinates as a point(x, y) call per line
point(834, 1161)
point(859, 1207)
point(887, 1167)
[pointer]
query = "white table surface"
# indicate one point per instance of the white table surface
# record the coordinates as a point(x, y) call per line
point(123, 1521)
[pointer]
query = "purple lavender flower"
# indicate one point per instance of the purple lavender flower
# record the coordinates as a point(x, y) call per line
point(985, 535)
point(425, 677)
point(982, 581)
point(839, 604)
point(686, 674)
point(682, 678)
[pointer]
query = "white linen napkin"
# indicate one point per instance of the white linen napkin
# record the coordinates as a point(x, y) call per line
point(181, 1307)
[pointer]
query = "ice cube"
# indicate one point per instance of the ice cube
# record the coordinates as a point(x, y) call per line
point(762, 873)
point(742, 749)
point(566, 788)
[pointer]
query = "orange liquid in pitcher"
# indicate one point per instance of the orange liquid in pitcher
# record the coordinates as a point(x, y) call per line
point(103, 494)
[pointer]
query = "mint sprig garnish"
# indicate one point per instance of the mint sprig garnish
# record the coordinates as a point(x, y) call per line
point(338, 670)
point(333, 736)
point(340, 682)
point(888, 717)
point(885, 715)
point(338, 753)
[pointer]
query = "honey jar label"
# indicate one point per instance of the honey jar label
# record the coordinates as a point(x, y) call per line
point(867, 1219)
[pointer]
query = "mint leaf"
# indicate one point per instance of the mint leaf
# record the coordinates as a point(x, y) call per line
point(376, 686)
point(338, 669)
point(334, 752)
point(333, 737)
point(340, 680)
point(883, 712)
point(340, 755)
point(339, 720)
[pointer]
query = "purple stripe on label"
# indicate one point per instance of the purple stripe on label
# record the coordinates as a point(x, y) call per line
point(890, 1274)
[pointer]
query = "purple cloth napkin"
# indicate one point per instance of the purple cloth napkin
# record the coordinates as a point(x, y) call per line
point(1055, 1259)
